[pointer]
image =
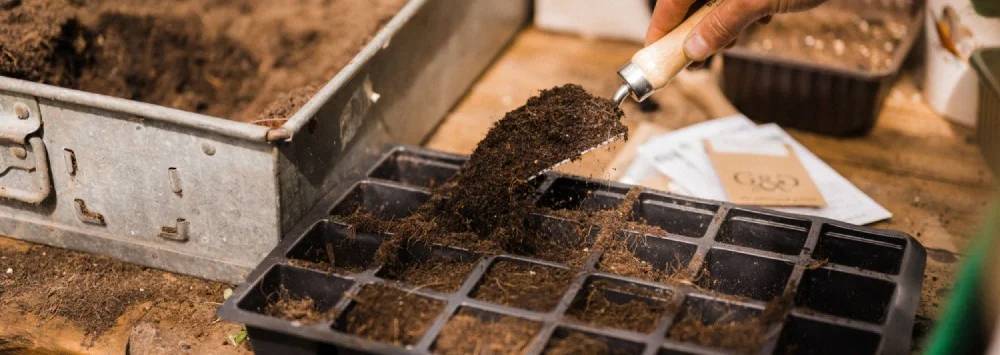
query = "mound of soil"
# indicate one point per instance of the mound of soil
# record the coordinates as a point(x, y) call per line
point(241, 59)
point(466, 333)
point(436, 273)
point(389, 315)
point(579, 343)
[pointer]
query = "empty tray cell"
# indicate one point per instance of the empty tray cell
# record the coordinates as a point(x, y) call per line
point(437, 268)
point(674, 216)
point(744, 275)
point(764, 232)
point(617, 304)
point(329, 241)
point(809, 337)
point(845, 295)
point(556, 239)
point(574, 194)
point(413, 169)
point(646, 257)
point(390, 315)
point(383, 201)
point(297, 295)
point(524, 285)
point(475, 331)
point(717, 324)
point(859, 249)
point(565, 341)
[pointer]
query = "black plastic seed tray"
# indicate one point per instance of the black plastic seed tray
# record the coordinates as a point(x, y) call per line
point(812, 96)
point(855, 289)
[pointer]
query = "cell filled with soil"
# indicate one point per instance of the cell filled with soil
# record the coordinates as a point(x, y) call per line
point(382, 201)
point(845, 295)
point(412, 169)
point(647, 257)
point(811, 337)
point(557, 239)
point(301, 296)
point(764, 232)
point(525, 285)
point(744, 275)
point(566, 341)
point(437, 268)
point(719, 325)
point(474, 331)
point(860, 249)
point(674, 216)
point(576, 194)
point(615, 304)
point(335, 247)
point(389, 315)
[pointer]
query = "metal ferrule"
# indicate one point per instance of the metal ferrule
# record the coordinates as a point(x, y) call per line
point(636, 81)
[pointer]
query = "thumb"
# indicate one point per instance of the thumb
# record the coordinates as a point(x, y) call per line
point(722, 25)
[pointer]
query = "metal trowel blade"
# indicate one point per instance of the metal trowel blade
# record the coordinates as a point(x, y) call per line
point(588, 150)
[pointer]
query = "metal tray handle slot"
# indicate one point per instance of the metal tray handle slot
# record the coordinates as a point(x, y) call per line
point(43, 182)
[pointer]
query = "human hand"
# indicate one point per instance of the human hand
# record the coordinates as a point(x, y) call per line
point(721, 26)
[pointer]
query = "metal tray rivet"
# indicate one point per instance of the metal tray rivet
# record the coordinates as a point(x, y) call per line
point(70, 159)
point(208, 149)
point(19, 152)
point(21, 111)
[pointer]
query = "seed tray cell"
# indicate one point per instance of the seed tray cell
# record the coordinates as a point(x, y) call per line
point(851, 289)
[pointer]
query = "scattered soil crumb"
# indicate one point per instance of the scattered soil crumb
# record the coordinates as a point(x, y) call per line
point(816, 264)
point(93, 291)
point(578, 343)
point(303, 310)
point(241, 59)
point(436, 272)
point(466, 333)
point(523, 285)
point(390, 315)
point(639, 314)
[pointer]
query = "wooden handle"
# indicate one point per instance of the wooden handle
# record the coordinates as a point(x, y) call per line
point(663, 59)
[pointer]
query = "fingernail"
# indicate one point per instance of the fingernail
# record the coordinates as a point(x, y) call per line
point(696, 48)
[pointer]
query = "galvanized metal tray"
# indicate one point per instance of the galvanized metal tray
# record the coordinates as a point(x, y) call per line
point(211, 197)
point(854, 290)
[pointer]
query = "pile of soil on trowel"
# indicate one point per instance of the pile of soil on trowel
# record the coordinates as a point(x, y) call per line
point(249, 60)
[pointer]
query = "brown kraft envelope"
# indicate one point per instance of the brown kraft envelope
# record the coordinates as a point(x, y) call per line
point(765, 180)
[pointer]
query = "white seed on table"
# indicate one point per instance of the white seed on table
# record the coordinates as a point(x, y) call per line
point(838, 47)
point(810, 41)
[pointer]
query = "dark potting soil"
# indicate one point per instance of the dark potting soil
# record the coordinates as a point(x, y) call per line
point(241, 59)
point(304, 310)
point(578, 343)
point(559, 124)
point(467, 333)
point(389, 315)
point(436, 272)
point(597, 307)
point(743, 334)
point(523, 285)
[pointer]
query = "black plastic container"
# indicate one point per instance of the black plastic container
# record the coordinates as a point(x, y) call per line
point(855, 289)
point(815, 97)
point(986, 62)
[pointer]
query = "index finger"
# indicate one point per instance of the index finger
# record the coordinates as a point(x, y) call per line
point(666, 15)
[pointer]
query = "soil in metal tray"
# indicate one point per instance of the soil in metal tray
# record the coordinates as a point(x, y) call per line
point(249, 60)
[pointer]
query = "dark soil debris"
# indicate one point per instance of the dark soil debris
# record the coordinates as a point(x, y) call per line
point(389, 315)
point(465, 333)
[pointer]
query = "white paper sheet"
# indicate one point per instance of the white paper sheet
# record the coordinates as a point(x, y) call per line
point(681, 156)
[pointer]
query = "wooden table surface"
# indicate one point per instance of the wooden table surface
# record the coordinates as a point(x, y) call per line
point(922, 168)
